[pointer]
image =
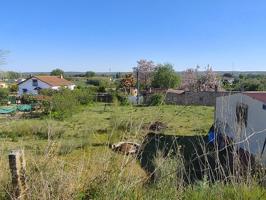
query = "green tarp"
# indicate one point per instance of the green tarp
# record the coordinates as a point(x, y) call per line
point(24, 108)
point(12, 109)
point(8, 109)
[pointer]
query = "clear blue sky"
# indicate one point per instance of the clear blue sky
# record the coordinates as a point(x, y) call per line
point(81, 35)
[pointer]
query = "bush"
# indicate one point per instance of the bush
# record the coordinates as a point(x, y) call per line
point(156, 99)
point(47, 92)
point(121, 98)
point(101, 89)
point(3, 95)
point(28, 99)
point(84, 96)
point(65, 102)
point(93, 82)
point(13, 88)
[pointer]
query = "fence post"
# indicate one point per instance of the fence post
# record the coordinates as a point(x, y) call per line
point(17, 166)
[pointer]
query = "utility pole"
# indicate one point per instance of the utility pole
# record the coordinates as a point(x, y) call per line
point(137, 86)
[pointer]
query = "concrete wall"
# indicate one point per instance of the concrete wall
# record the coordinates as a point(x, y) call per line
point(251, 137)
point(195, 98)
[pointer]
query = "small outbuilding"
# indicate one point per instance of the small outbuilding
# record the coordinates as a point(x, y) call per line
point(242, 117)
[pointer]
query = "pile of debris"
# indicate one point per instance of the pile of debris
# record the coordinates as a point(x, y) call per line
point(157, 126)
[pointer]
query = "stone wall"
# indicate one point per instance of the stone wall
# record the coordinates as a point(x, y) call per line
point(195, 98)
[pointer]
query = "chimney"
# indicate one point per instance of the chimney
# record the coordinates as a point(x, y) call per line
point(61, 76)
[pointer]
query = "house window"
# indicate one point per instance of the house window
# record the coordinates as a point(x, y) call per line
point(34, 82)
point(264, 106)
point(24, 91)
point(242, 114)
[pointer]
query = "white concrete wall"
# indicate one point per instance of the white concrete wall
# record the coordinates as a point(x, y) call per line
point(28, 85)
point(252, 137)
point(133, 99)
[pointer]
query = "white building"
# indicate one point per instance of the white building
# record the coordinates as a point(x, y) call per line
point(33, 84)
point(242, 117)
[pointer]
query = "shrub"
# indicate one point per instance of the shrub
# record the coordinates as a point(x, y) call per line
point(47, 92)
point(156, 99)
point(28, 99)
point(3, 93)
point(13, 88)
point(121, 98)
point(101, 89)
point(63, 104)
point(93, 82)
point(84, 95)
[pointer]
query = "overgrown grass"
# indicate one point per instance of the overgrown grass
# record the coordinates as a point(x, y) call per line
point(70, 159)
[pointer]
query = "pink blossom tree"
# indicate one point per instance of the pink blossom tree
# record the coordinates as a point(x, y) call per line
point(145, 71)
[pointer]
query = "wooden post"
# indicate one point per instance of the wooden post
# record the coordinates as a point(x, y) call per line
point(17, 166)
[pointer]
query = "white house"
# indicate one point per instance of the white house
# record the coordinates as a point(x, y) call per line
point(33, 84)
point(242, 117)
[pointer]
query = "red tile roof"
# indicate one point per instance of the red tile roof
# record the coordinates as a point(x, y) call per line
point(54, 80)
point(260, 96)
point(51, 80)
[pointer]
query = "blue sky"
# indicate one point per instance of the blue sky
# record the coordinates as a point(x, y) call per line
point(103, 35)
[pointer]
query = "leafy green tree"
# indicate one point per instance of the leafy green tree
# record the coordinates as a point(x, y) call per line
point(57, 72)
point(90, 74)
point(165, 77)
point(3, 93)
point(248, 85)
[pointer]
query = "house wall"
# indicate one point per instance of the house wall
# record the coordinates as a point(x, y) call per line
point(194, 98)
point(28, 85)
point(250, 138)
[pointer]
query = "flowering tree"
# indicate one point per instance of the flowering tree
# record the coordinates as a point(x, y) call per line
point(145, 70)
point(209, 81)
point(189, 79)
point(192, 81)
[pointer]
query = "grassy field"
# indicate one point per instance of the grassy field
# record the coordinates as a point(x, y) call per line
point(70, 159)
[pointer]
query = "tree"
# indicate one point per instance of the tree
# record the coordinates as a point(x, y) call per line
point(90, 74)
point(208, 81)
point(165, 77)
point(189, 79)
point(3, 94)
point(127, 81)
point(57, 72)
point(144, 71)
